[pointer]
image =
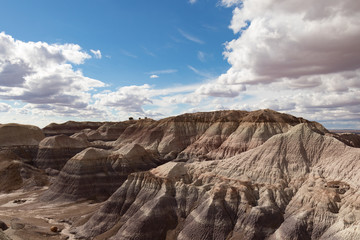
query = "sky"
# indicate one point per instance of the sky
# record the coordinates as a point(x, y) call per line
point(92, 60)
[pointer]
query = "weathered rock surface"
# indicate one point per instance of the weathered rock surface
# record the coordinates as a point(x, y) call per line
point(301, 184)
point(3, 236)
point(350, 139)
point(69, 128)
point(55, 151)
point(17, 135)
point(209, 135)
point(96, 173)
point(108, 131)
point(218, 175)
point(22, 140)
point(15, 174)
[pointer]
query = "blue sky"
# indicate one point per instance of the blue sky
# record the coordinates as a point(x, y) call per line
point(136, 38)
point(108, 60)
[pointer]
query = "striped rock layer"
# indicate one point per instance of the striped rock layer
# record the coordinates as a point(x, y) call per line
point(209, 135)
point(55, 151)
point(96, 173)
point(22, 140)
point(301, 184)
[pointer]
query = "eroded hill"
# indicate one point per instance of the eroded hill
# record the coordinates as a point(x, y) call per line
point(214, 175)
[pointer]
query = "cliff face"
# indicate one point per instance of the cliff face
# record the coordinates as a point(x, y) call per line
point(297, 185)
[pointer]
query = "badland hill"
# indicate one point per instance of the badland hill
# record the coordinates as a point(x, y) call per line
point(208, 175)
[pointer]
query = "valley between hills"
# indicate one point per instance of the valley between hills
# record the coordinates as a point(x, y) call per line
point(207, 175)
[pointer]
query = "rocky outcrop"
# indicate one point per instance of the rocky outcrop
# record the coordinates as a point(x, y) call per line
point(55, 151)
point(69, 128)
point(3, 236)
point(19, 135)
point(350, 139)
point(22, 140)
point(217, 175)
point(14, 174)
point(97, 173)
point(108, 131)
point(210, 135)
point(302, 184)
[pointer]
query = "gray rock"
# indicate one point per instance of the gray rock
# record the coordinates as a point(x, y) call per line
point(3, 236)
point(17, 224)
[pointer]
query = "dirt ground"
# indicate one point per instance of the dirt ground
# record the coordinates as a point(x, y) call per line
point(30, 219)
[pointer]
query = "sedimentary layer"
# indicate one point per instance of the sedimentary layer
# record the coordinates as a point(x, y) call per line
point(210, 135)
point(302, 184)
point(96, 173)
point(55, 151)
point(22, 140)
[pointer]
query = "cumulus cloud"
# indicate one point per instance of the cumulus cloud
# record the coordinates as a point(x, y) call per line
point(13, 74)
point(96, 53)
point(42, 73)
point(304, 51)
point(291, 39)
point(154, 76)
point(130, 98)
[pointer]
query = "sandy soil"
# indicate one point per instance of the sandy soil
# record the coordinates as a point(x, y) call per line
point(30, 219)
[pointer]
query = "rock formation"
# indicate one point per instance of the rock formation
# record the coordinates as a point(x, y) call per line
point(18, 148)
point(350, 139)
point(217, 175)
point(55, 151)
point(69, 128)
point(107, 131)
point(22, 140)
point(14, 174)
point(97, 173)
point(300, 184)
point(208, 135)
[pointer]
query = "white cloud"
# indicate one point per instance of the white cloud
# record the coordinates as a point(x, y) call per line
point(190, 37)
point(129, 98)
point(96, 53)
point(154, 76)
point(38, 73)
point(291, 39)
point(296, 56)
point(192, 1)
point(229, 3)
point(4, 107)
point(217, 90)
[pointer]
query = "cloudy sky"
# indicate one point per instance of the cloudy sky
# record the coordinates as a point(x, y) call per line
point(109, 60)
